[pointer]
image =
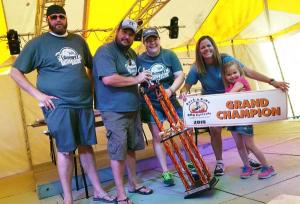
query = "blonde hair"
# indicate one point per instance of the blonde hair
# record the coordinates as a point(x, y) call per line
point(200, 64)
point(226, 66)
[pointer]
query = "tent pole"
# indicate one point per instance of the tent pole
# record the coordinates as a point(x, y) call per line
point(27, 144)
point(281, 73)
point(232, 49)
point(188, 50)
point(85, 20)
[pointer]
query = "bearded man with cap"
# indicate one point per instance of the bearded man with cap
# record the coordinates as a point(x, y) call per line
point(64, 93)
point(166, 68)
point(116, 88)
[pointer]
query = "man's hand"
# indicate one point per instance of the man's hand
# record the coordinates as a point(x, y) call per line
point(46, 101)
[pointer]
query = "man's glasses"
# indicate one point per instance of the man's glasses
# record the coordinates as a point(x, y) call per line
point(54, 17)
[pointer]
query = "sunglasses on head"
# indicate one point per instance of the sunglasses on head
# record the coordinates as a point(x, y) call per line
point(55, 16)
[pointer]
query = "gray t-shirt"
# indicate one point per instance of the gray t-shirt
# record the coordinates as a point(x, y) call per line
point(60, 63)
point(108, 60)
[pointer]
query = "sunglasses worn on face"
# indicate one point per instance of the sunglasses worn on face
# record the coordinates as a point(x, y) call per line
point(54, 17)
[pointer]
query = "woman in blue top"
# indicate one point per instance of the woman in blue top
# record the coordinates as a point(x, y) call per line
point(207, 70)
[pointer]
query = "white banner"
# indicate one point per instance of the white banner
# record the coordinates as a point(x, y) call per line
point(240, 108)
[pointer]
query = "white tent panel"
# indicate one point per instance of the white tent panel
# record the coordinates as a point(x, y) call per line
point(260, 26)
point(20, 15)
point(281, 20)
point(75, 13)
point(191, 14)
point(286, 47)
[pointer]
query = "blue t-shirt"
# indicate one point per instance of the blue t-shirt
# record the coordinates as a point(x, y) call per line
point(162, 68)
point(60, 63)
point(211, 81)
point(108, 60)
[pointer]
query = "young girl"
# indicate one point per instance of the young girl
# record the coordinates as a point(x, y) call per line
point(234, 81)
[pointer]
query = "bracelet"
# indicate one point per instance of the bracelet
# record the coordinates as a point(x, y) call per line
point(271, 80)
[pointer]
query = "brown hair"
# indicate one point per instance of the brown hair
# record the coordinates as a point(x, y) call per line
point(228, 65)
point(200, 64)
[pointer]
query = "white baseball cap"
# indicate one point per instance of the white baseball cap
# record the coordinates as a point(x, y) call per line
point(128, 24)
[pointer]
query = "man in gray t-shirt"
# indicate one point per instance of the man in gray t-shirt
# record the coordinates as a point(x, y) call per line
point(115, 76)
point(64, 91)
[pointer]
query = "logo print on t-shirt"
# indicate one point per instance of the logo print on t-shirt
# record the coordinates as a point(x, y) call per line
point(131, 67)
point(159, 71)
point(68, 56)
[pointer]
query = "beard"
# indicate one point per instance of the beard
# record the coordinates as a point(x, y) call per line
point(121, 46)
point(58, 31)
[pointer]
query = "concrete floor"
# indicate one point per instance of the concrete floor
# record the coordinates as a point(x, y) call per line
point(280, 141)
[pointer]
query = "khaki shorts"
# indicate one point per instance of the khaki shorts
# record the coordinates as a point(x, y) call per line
point(124, 132)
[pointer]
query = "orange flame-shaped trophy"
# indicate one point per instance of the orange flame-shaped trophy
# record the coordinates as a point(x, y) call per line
point(194, 184)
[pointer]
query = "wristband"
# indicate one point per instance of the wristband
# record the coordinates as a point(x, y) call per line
point(271, 80)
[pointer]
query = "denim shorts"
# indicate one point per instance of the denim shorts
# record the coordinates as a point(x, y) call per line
point(243, 129)
point(124, 132)
point(147, 116)
point(71, 127)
